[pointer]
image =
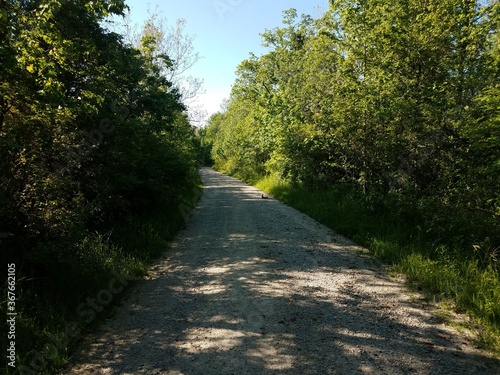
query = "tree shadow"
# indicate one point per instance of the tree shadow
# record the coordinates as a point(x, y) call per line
point(252, 287)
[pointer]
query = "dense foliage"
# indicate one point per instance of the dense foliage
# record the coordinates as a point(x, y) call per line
point(392, 98)
point(92, 136)
point(393, 101)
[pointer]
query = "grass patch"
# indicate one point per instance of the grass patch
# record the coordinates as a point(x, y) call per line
point(79, 288)
point(437, 252)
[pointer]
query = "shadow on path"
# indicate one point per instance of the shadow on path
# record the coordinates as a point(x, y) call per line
point(254, 287)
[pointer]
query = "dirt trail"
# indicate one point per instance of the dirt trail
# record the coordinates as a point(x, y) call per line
point(255, 287)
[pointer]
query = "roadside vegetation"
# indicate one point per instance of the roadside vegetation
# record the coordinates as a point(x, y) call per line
point(417, 241)
point(99, 165)
point(381, 119)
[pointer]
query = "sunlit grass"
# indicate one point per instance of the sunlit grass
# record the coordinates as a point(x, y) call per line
point(460, 277)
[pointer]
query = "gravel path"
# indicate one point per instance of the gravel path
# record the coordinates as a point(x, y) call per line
point(255, 287)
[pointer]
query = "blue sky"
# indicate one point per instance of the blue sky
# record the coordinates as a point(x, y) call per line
point(226, 32)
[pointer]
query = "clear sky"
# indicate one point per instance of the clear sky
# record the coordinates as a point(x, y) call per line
point(226, 32)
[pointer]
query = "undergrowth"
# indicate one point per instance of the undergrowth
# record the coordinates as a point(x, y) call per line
point(77, 290)
point(450, 256)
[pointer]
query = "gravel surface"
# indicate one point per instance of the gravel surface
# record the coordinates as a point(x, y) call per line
point(252, 286)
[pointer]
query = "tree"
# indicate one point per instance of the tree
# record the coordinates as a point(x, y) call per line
point(373, 94)
point(174, 42)
point(483, 131)
point(93, 136)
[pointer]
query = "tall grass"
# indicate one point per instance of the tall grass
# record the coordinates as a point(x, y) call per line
point(439, 251)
